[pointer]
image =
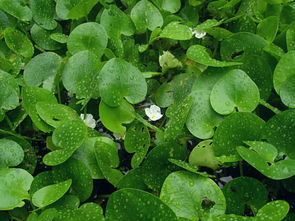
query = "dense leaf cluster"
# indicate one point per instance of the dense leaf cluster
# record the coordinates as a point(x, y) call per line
point(78, 76)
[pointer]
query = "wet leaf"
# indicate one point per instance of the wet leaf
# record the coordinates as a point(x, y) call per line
point(11, 153)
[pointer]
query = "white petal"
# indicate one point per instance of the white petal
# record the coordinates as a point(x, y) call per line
point(156, 117)
point(155, 109)
point(82, 116)
point(148, 112)
point(199, 34)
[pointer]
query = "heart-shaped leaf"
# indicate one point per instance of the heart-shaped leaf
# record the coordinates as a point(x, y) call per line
point(11, 153)
point(31, 96)
point(235, 129)
point(42, 69)
point(55, 114)
point(88, 36)
point(113, 117)
point(69, 136)
point(262, 156)
point(244, 192)
point(118, 79)
point(50, 194)
point(146, 16)
point(234, 90)
point(80, 75)
point(142, 206)
point(14, 186)
point(192, 196)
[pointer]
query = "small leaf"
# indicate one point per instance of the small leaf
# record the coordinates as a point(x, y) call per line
point(80, 75)
point(176, 31)
point(88, 36)
point(137, 139)
point(113, 118)
point(14, 186)
point(11, 153)
point(268, 28)
point(50, 194)
point(146, 16)
point(142, 206)
point(199, 54)
point(42, 69)
point(18, 42)
point(69, 136)
point(106, 153)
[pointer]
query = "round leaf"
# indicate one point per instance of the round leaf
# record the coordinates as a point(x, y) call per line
point(80, 75)
point(187, 195)
point(142, 206)
point(146, 16)
point(118, 79)
point(234, 90)
point(11, 153)
point(176, 31)
point(42, 70)
point(88, 36)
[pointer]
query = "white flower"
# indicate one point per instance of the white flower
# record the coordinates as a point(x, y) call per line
point(198, 33)
point(89, 121)
point(153, 112)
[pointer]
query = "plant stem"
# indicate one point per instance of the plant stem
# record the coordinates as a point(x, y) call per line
point(241, 168)
point(146, 123)
point(270, 107)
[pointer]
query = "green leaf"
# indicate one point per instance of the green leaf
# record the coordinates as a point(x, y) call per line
point(137, 140)
point(18, 42)
point(116, 23)
point(199, 54)
point(9, 91)
point(169, 61)
point(80, 75)
point(203, 155)
point(275, 210)
point(259, 156)
point(119, 79)
point(163, 96)
point(142, 206)
point(192, 196)
point(31, 96)
point(44, 13)
point(42, 37)
point(146, 16)
point(268, 28)
point(92, 211)
point(113, 118)
point(287, 92)
point(86, 154)
point(68, 136)
point(168, 5)
point(234, 90)
point(202, 118)
point(88, 36)
point(243, 192)
point(17, 8)
point(106, 153)
point(283, 70)
point(290, 38)
point(50, 194)
point(55, 114)
point(42, 69)
point(279, 131)
point(235, 129)
point(67, 9)
point(12, 153)
point(14, 186)
point(176, 31)
point(156, 167)
point(178, 114)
